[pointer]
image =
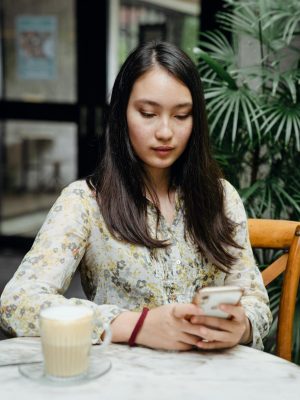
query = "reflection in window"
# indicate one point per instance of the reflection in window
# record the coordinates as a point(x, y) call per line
point(142, 21)
point(35, 168)
point(133, 22)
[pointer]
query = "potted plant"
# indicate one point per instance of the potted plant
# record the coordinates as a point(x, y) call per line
point(253, 103)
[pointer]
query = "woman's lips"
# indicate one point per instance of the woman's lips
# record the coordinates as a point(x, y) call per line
point(163, 151)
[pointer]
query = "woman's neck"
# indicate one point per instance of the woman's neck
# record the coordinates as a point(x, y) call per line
point(159, 182)
point(160, 185)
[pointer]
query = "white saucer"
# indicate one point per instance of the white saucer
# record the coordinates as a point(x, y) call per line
point(36, 372)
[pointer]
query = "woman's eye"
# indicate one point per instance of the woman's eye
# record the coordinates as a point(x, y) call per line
point(181, 117)
point(147, 115)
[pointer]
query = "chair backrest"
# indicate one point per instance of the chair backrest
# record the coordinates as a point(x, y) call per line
point(281, 234)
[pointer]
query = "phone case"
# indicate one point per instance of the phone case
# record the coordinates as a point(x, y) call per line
point(210, 298)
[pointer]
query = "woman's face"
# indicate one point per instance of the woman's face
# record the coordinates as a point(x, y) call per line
point(159, 118)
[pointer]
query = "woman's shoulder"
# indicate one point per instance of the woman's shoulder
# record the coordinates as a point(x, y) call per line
point(229, 190)
point(78, 190)
point(78, 187)
point(233, 204)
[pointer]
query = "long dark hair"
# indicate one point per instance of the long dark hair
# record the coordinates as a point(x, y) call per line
point(119, 180)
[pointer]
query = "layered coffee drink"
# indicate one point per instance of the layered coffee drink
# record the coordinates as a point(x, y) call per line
point(66, 336)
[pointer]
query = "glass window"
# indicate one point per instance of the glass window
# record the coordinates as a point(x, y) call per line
point(140, 21)
point(158, 20)
point(35, 167)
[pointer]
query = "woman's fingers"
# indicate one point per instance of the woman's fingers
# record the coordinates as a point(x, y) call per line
point(181, 346)
point(196, 331)
point(214, 345)
point(236, 311)
point(213, 322)
point(182, 310)
point(213, 335)
point(177, 332)
point(219, 332)
point(189, 339)
point(188, 333)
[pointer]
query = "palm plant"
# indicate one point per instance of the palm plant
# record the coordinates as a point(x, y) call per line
point(254, 111)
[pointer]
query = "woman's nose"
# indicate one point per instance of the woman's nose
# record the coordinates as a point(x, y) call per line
point(164, 131)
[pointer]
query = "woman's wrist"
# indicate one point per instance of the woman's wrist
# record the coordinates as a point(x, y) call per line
point(136, 330)
point(123, 325)
point(247, 336)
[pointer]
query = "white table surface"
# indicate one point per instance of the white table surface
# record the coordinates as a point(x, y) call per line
point(137, 373)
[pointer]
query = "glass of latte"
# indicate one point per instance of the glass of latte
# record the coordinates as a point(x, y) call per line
point(66, 337)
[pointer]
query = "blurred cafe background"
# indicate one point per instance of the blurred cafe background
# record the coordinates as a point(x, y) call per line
point(58, 61)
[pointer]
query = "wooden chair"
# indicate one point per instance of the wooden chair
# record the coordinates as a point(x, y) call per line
point(281, 234)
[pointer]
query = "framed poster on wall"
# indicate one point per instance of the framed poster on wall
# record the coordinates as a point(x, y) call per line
point(36, 42)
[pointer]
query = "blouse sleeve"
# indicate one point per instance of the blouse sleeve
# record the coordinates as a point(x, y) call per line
point(245, 272)
point(47, 269)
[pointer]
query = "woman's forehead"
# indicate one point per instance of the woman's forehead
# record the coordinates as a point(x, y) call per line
point(157, 86)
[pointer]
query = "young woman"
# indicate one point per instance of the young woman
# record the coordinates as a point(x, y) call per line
point(150, 226)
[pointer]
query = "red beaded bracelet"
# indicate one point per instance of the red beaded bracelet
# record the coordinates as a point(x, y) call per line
point(137, 327)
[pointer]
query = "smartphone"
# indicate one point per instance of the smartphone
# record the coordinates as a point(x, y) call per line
point(209, 299)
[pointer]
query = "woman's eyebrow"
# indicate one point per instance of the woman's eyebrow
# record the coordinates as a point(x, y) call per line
point(181, 105)
point(154, 103)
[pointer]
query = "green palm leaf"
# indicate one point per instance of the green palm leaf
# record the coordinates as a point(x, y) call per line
point(217, 68)
point(282, 117)
point(255, 117)
point(218, 44)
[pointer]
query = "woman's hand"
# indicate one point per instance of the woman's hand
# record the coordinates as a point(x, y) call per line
point(219, 333)
point(165, 327)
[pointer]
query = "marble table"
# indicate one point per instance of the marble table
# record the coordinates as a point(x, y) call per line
point(137, 373)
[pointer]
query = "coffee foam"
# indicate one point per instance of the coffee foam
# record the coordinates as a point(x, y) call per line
point(66, 313)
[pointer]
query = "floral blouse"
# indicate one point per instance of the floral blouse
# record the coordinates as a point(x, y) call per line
point(119, 276)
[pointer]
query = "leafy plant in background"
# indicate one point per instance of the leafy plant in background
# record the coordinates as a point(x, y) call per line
point(254, 112)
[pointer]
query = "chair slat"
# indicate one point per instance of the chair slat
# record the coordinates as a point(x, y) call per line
point(280, 234)
point(268, 233)
point(274, 269)
point(288, 300)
